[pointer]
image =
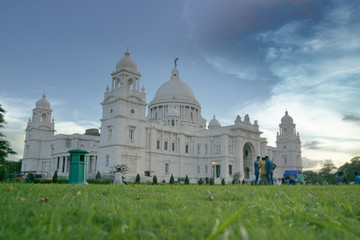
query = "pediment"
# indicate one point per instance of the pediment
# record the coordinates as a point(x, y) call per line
point(109, 99)
point(133, 98)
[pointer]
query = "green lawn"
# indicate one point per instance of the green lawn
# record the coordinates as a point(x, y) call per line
point(57, 211)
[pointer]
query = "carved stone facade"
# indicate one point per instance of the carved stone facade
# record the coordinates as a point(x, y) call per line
point(172, 139)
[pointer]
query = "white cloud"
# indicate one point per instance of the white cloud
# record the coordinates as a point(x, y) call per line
point(319, 83)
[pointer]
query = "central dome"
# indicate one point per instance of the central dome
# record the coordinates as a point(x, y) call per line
point(174, 90)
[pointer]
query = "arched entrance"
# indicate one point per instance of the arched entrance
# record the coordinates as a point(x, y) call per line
point(248, 156)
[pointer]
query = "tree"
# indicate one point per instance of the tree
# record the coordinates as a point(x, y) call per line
point(13, 166)
point(5, 148)
point(223, 182)
point(200, 181)
point(186, 182)
point(137, 179)
point(55, 177)
point(350, 168)
point(327, 173)
point(172, 181)
point(3, 174)
point(98, 176)
point(312, 177)
point(155, 181)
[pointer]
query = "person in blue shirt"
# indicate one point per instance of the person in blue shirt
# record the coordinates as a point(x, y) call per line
point(357, 178)
point(257, 169)
point(269, 169)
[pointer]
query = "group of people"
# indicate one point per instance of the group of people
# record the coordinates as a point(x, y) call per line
point(340, 178)
point(265, 169)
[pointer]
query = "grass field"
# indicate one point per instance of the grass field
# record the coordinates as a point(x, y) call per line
point(57, 211)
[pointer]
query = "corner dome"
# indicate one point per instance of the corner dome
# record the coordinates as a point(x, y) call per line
point(43, 103)
point(174, 90)
point(126, 63)
point(214, 123)
point(287, 118)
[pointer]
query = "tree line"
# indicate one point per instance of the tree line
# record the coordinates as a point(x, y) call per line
point(328, 172)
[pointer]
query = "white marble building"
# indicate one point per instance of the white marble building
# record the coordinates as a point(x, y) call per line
point(172, 139)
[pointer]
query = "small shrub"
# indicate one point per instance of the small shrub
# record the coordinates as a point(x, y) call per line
point(55, 177)
point(200, 181)
point(172, 181)
point(243, 182)
point(97, 181)
point(186, 182)
point(30, 178)
point(3, 174)
point(98, 176)
point(163, 181)
point(15, 180)
point(63, 181)
point(211, 181)
point(207, 180)
point(137, 179)
point(155, 181)
point(223, 182)
point(233, 181)
point(236, 177)
point(43, 181)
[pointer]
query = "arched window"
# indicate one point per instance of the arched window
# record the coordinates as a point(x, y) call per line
point(43, 117)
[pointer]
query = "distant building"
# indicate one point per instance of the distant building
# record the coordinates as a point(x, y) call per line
point(172, 139)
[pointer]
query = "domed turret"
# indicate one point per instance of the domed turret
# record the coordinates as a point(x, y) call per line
point(126, 63)
point(287, 118)
point(214, 123)
point(43, 103)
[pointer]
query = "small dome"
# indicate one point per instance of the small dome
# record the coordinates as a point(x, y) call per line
point(126, 63)
point(214, 123)
point(172, 112)
point(43, 103)
point(287, 118)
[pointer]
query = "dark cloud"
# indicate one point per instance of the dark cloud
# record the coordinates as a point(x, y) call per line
point(225, 32)
point(351, 117)
point(312, 144)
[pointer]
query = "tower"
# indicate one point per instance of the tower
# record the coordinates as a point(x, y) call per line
point(288, 145)
point(123, 121)
point(39, 129)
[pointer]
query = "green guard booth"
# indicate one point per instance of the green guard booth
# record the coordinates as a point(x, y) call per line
point(78, 167)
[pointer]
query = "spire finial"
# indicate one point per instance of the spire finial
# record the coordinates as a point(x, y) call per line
point(176, 59)
point(127, 52)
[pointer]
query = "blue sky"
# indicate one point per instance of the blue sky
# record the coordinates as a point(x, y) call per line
point(257, 57)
